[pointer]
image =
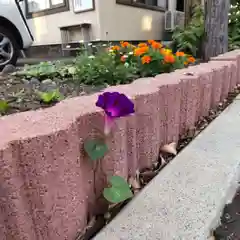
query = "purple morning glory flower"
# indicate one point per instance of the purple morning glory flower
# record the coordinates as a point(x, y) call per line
point(115, 105)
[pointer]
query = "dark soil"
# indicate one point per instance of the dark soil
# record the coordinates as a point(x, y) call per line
point(97, 222)
point(230, 221)
point(21, 94)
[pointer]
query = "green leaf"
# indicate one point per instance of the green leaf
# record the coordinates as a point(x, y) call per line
point(3, 106)
point(119, 191)
point(48, 97)
point(72, 70)
point(96, 149)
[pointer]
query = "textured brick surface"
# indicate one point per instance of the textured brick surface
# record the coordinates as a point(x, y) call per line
point(185, 200)
point(49, 186)
point(233, 56)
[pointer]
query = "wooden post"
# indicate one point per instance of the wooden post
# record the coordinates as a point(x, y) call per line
point(216, 28)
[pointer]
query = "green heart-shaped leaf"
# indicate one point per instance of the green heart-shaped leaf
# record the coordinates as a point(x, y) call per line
point(119, 191)
point(96, 149)
point(3, 106)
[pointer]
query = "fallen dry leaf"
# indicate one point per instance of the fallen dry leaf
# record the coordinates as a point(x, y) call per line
point(107, 215)
point(111, 206)
point(135, 183)
point(170, 148)
point(137, 174)
point(163, 161)
point(148, 176)
point(211, 238)
point(90, 225)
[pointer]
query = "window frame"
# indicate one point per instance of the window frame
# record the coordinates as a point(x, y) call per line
point(142, 5)
point(85, 10)
point(52, 10)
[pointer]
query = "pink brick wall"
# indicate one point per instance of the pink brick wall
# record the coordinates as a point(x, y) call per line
point(49, 187)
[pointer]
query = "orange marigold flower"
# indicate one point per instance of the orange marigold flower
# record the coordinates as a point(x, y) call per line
point(123, 58)
point(146, 59)
point(125, 44)
point(156, 45)
point(115, 48)
point(169, 58)
point(140, 51)
point(180, 54)
point(150, 41)
point(191, 60)
point(142, 45)
point(162, 51)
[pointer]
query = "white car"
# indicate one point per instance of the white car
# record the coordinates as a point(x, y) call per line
point(15, 34)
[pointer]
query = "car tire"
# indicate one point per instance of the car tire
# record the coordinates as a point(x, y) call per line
point(14, 48)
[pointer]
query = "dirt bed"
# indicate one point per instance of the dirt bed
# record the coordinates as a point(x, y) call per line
point(22, 94)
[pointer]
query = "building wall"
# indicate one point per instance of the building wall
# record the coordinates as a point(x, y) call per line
point(121, 22)
point(110, 21)
point(46, 28)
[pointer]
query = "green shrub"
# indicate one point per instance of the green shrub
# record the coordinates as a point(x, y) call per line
point(234, 26)
point(120, 64)
point(189, 39)
point(102, 69)
point(45, 70)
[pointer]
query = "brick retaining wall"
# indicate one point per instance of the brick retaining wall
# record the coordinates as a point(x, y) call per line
point(49, 187)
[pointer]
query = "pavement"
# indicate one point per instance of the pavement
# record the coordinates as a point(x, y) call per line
point(186, 199)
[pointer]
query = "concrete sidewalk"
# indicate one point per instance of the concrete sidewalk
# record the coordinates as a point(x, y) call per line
point(185, 201)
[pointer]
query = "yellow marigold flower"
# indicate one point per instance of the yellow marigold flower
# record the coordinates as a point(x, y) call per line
point(146, 59)
point(115, 48)
point(165, 51)
point(168, 51)
point(150, 41)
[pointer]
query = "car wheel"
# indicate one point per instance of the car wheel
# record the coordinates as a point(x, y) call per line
point(9, 49)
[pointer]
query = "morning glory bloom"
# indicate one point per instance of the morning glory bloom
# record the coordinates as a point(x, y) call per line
point(115, 105)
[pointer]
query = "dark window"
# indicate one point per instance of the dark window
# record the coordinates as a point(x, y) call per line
point(150, 4)
point(180, 5)
point(36, 8)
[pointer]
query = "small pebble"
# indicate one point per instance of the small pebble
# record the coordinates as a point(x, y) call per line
point(35, 81)
point(227, 216)
point(25, 81)
point(8, 69)
point(47, 81)
point(48, 85)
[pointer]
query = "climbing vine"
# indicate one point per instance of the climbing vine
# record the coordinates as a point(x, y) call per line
point(115, 105)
